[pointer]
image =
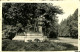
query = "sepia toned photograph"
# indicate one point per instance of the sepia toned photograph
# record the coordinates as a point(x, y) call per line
point(40, 26)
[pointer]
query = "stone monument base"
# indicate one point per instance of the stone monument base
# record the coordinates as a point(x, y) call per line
point(34, 37)
point(19, 38)
point(30, 37)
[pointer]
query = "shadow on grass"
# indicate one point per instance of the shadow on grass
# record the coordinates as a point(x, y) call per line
point(10, 45)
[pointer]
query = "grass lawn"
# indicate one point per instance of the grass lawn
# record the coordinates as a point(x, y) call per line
point(11, 45)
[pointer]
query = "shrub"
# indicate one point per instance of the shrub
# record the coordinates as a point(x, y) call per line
point(52, 35)
point(29, 40)
point(36, 40)
point(9, 31)
point(11, 35)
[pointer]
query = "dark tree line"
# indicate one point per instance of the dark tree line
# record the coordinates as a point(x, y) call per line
point(69, 26)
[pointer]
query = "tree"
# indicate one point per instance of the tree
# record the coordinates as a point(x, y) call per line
point(69, 26)
point(73, 25)
point(27, 14)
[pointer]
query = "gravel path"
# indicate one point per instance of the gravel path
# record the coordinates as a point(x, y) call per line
point(67, 40)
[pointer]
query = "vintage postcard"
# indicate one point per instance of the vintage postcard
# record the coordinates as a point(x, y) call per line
point(39, 26)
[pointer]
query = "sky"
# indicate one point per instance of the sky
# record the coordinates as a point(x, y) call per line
point(68, 8)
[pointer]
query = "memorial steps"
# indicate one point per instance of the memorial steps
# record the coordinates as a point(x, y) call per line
point(31, 37)
point(20, 38)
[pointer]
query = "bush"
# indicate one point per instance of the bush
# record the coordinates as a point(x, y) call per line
point(11, 35)
point(9, 31)
point(36, 40)
point(74, 36)
point(52, 35)
point(29, 40)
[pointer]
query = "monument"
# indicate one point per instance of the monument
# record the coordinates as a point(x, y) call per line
point(37, 35)
point(32, 36)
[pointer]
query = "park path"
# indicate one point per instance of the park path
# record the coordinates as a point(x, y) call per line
point(67, 40)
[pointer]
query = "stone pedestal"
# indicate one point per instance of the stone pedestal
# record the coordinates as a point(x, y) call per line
point(40, 29)
point(34, 36)
point(19, 38)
